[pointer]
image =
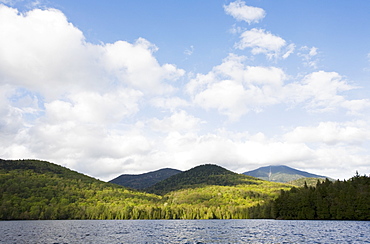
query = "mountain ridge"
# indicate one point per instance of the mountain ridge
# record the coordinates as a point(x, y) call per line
point(144, 180)
point(281, 173)
point(207, 174)
point(34, 189)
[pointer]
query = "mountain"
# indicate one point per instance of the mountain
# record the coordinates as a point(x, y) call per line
point(280, 173)
point(207, 174)
point(42, 167)
point(212, 192)
point(33, 189)
point(145, 180)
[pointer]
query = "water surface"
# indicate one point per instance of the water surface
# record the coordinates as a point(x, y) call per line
point(184, 231)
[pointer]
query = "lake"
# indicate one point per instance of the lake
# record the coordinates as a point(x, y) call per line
point(184, 231)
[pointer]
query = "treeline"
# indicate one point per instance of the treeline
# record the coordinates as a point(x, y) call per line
point(339, 200)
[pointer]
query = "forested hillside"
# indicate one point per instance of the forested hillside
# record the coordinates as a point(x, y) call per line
point(200, 176)
point(32, 189)
point(214, 192)
point(145, 180)
point(339, 200)
point(301, 182)
point(223, 202)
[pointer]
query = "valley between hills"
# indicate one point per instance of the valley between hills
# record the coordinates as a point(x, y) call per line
point(33, 189)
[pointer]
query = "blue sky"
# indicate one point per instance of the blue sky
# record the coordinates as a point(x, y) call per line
point(116, 87)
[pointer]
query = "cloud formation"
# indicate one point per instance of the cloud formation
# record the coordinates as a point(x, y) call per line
point(241, 12)
point(235, 89)
point(308, 55)
point(63, 96)
point(51, 52)
point(263, 42)
point(111, 108)
point(331, 133)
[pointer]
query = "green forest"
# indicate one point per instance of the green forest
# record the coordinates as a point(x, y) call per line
point(33, 189)
point(339, 200)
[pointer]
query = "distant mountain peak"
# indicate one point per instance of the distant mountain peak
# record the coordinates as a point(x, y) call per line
point(280, 173)
point(145, 180)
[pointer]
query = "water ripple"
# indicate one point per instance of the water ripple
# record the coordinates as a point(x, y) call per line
point(184, 231)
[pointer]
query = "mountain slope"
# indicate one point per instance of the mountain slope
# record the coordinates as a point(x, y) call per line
point(42, 167)
point(280, 173)
point(308, 181)
point(201, 175)
point(33, 189)
point(223, 202)
point(145, 180)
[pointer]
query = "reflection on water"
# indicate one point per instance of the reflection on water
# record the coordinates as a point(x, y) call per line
point(184, 231)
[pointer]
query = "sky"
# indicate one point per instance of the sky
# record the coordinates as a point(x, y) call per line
point(126, 87)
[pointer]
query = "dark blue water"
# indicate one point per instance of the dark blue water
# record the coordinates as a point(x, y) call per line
point(184, 231)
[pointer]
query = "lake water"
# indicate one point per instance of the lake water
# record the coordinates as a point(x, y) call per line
point(184, 231)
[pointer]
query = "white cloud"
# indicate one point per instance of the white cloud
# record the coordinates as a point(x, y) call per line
point(55, 58)
point(179, 121)
point(308, 55)
point(227, 96)
point(95, 149)
point(263, 42)
point(252, 151)
point(319, 91)
point(72, 102)
point(265, 75)
point(10, 117)
point(357, 106)
point(289, 50)
point(234, 89)
point(169, 103)
point(48, 50)
point(241, 12)
point(331, 133)
point(313, 51)
point(134, 64)
point(113, 108)
point(89, 107)
point(106, 153)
